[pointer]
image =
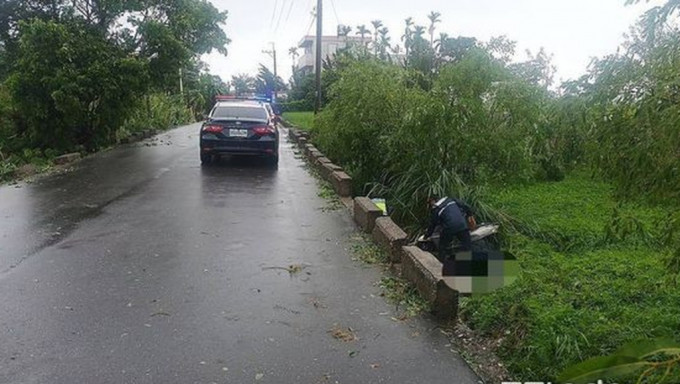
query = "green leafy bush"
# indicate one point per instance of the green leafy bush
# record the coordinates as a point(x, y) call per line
point(71, 77)
point(367, 105)
point(477, 126)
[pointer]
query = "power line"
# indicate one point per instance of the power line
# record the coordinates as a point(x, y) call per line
point(283, 6)
point(335, 12)
point(271, 22)
point(289, 9)
point(311, 22)
point(310, 4)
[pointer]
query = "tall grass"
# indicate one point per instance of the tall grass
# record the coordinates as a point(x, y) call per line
point(303, 120)
point(587, 294)
point(157, 111)
point(477, 126)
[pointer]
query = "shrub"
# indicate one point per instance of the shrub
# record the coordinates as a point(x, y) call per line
point(73, 78)
point(157, 111)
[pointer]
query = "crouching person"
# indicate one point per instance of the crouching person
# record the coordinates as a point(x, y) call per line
point(452, 215)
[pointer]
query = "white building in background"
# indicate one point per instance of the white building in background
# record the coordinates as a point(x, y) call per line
point(329, 46)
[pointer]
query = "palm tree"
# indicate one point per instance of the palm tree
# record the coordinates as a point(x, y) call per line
point(439, 43)
point(408, 33)
point(376, 25)
point(434, 19)
point(363, 31)
point(293, 52)
point(242, 83)
point(345, 30)
point(384, 42)
point(418, 32)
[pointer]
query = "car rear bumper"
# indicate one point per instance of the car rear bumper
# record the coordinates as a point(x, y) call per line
point(241, 147)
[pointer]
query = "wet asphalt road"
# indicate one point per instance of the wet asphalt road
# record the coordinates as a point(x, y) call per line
point(141, 266)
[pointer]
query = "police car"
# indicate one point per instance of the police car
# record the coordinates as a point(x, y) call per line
point(239, 127)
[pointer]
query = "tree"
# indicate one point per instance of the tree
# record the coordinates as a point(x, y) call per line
point(103, 59)
point(362, 31)
point(266, 82)
point(440, 42)
point(202, 91)
point(654, 19)
point(501, 48)
point(344, 30)
point(383, 43)
point(171, 33)
point(434, 19)
point(421, 55)
point(538, 69)
point(376, 27)
point(452, 50)
point(72, 77)
point(294, 54)
point(407, 37)
point(242, 84)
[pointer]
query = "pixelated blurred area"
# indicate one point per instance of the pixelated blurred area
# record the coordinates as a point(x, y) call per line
point(480, 271)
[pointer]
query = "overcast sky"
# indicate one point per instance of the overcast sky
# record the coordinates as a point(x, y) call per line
point(572, 30)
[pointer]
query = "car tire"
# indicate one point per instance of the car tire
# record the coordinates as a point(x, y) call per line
point(273, 161)
point(206, 159)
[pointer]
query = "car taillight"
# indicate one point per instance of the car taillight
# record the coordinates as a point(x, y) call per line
point(212, 128)
point(264, 130)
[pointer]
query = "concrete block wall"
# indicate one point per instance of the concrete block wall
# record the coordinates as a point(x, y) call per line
point(366, 213)
point(388, 235)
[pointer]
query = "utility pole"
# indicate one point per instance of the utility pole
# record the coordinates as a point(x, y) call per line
point(319, 33)
point(272, 53)
point(181, 85)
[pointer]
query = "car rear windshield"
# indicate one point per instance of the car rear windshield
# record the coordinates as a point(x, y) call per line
point(228, 112)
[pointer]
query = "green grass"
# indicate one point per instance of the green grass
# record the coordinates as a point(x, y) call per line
point(398, 291)
point(583, 295)
point(574, 213)
point(404, 295)
point(302, 120)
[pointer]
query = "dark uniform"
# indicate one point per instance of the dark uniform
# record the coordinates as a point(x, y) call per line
point(452, 215)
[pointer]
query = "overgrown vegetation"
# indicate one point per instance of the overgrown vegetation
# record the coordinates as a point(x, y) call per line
point(78, 75)
point(583, 178)
point(583, 291)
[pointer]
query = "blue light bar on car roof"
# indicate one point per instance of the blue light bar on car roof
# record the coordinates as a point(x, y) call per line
point(262, 98)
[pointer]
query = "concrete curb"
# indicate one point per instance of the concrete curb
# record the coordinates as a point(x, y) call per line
point(293, 135)
point(67, 158)
point(365, 213)
point(342, 183)
point(415, 265)
point(321, 160)
point(388, 234)
point(424, 271)
point(328, 169)
point(315, 154)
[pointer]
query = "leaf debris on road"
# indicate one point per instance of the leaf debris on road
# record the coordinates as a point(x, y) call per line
point(292, 269)
point(346, 335)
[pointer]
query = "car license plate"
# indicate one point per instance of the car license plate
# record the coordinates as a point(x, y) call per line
point(238, 133)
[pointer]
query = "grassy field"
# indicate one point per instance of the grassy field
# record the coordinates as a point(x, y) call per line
point(303, 120)
point(586, 286)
